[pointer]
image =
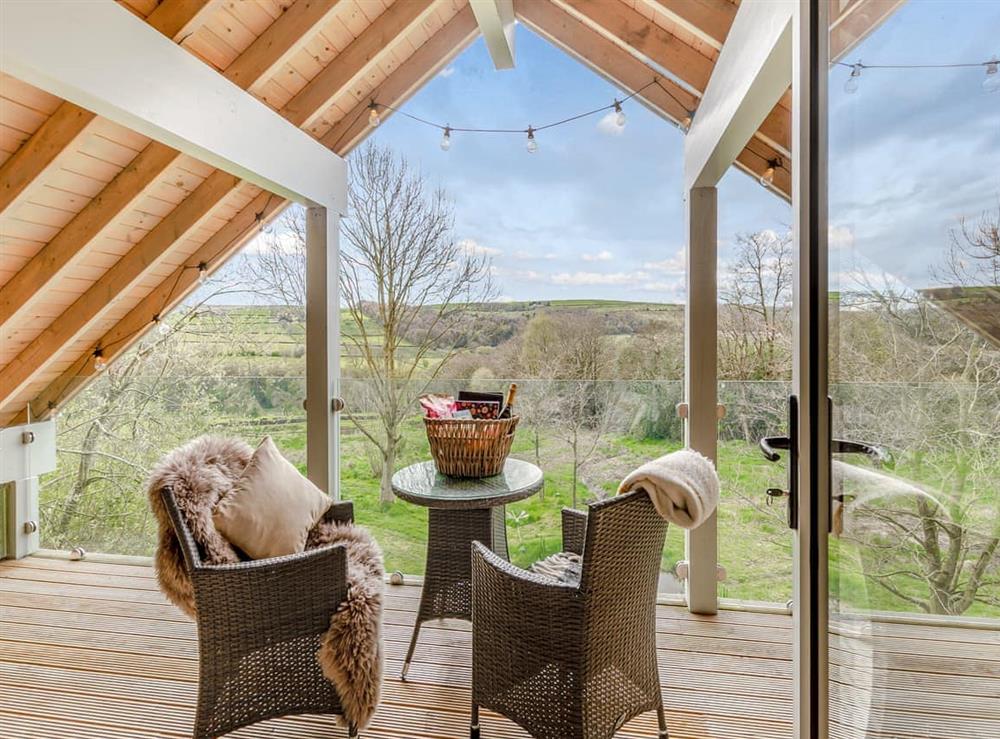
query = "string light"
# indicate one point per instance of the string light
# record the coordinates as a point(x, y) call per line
point(992, 81)
point(373, 117)
point(619, 115)
point(202, 273)
point(767, 179)
point(854, 80)
point(446, 139)
point(99, 361)
point(532, 142)
point(162, 326)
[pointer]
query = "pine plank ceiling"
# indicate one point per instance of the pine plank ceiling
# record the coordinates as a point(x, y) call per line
point(101, 228)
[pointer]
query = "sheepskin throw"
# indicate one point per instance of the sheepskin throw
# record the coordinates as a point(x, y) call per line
point(350, 655)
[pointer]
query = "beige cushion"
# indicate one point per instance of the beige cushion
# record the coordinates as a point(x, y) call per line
point(271, 508)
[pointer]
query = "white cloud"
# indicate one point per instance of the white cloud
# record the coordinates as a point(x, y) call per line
point(608, 125)
point(601, 256)
point(673, 287)
point(526, 275)
point(283, 241)
point(474, 249)
point(447, 71)
point(676, 263)
point(522, 254)
point(840, 237)
point(598, 278)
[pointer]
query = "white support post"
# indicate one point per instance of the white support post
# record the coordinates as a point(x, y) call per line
point(323, 349)
point(700, 384)
point(25, 453)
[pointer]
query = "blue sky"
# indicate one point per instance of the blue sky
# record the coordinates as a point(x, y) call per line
point(597, 212)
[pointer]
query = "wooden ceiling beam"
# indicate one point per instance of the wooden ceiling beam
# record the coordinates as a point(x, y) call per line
point(123, 276)
point(640, 36)
point(52, 261)
point(709, 20)
point(436, 53)
point(63, 129)
point(851, 24)
point(279, 41)
point(163, 298)
point(614, 63)
point(358, 57)
point(178, 19)
point(70, 123)
point(607, 59)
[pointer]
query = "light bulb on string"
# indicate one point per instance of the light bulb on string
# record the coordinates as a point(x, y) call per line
point(202, 273)
point(619, 115)
point(854, 80)
point(99, 361)
point(161, 326)
point(532, 142)
point(373, 117)
point(992, 81)
point(446, 139)
point(767, 179)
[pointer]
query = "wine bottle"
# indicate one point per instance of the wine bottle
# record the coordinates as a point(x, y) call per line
point(507, 411)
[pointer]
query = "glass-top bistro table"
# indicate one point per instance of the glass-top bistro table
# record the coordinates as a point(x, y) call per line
point(462, 510)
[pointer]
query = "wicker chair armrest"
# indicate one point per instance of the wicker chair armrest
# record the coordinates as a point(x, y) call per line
point(331, 557)
point(189, 548)
point(574, 530)
point(342, 512)
point(267, 600)
point(498, 576)
point(521, 622)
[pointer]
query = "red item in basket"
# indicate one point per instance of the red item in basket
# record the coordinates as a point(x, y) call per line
point(438, 406)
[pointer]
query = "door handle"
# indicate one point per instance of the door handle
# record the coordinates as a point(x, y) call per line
point(769, 447)
point(879, 455)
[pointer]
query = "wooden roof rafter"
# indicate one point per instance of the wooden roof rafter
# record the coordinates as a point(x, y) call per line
point(118, 196)
point(448, 42)
point(69, 123)
point(607, 58)
point(284, 51)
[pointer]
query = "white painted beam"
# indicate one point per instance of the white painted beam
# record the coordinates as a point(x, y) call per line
point(496, 23)
point(103, 58)
point(753, 71)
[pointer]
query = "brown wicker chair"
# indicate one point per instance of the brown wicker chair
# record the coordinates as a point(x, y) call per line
point(259, 628)
point(573, 660)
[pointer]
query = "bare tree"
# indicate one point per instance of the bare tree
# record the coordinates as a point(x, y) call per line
point(941, 557)
point(275, 268)
point(577, 404)
point(406, 284)
point(754, 327)
point(974, 251)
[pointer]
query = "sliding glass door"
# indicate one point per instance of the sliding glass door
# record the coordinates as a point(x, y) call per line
point(894, 424)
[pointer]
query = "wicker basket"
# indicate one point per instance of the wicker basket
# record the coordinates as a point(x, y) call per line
point(470, 448)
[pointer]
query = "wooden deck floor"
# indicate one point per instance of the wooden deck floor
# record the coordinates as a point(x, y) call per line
point(93, 650)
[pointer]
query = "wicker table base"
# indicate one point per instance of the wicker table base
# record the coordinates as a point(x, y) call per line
point(447, 591)
point(461, 511)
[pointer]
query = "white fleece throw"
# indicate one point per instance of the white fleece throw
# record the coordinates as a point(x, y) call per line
point(683, 486)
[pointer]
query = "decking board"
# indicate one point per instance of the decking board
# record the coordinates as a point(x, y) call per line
point(89, 649)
